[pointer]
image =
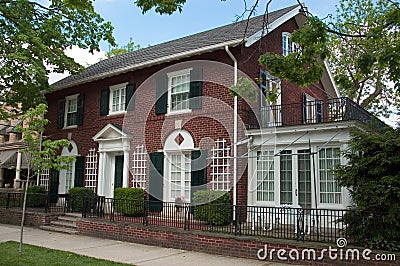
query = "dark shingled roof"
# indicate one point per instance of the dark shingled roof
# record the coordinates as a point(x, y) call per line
point(128, 61)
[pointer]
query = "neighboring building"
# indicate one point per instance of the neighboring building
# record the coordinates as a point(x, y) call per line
point(13, 164)
point(162, 118)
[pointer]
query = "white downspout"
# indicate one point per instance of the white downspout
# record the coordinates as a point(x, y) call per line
point(235, 129)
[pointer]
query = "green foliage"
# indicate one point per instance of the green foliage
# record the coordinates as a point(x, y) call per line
point(129, 201)
point(77, 194)
point(245, 89)
point(35, 36)
point(36, 196)
point(129, 47)
point(161, 6)
point(212, 206)
point(38, 256)
point(366, 53)
point(373, 178)
point(47, 156)
point(304, 66)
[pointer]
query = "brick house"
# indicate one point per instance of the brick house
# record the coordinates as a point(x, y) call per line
point(162, 118)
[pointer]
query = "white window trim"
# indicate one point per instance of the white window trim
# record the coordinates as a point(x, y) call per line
point(293, 44)
point(67, 99)
point(110, 100)
point(318, 190)
point(170, 76)
point(266, 202)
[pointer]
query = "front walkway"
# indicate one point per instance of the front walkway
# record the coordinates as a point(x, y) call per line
point(119, 251)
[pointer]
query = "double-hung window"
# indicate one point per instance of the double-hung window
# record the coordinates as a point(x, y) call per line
point(71, 110)
point(179, 88)
point(117, 99)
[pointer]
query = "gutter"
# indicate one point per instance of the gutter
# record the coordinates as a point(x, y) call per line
point(148, 63)
point(235, 130)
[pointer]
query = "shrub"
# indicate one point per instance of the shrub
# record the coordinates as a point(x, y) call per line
point(36, 196)
point(212, 206)
point(129, 201)
point(77, 194)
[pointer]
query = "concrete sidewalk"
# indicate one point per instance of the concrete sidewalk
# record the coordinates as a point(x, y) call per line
point(119, 251)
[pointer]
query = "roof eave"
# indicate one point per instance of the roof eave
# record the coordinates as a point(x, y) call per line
point(151, 63)
point(271, 26)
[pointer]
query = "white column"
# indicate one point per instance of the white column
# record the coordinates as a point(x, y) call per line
point(17, 180)
point(100, 176)
point(125, 175)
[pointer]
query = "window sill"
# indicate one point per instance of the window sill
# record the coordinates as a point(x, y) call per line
point(179, 112)
point(117, 113)
point(70, 127)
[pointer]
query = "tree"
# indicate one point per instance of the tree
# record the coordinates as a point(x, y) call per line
point(34, 38)
point(362, 41)
point(40, 155)
point(129, 47)
point(372, 176)
point(366, 56)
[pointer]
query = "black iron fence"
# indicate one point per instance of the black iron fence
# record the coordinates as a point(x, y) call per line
point(285, 222)
point(312, 112)
point(42, 202)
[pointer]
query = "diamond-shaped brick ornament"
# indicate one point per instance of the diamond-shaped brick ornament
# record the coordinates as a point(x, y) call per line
point(179, 139)
point(70, 147)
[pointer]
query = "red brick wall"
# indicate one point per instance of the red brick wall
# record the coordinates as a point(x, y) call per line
point(11, 216)
point(236, 246)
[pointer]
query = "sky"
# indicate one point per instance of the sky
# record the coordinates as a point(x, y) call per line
point(197, 15)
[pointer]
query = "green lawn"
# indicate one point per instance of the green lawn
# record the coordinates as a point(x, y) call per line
point(33, 255)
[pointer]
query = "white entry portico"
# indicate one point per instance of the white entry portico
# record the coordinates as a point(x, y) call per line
point(114, 147)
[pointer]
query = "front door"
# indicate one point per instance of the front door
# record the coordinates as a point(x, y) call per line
point(118, 171)
point(295, 178)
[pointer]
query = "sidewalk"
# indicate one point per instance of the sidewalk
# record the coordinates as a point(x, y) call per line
point(119, 251)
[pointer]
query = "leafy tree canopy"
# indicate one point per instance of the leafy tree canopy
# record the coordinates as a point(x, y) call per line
point(34, 38)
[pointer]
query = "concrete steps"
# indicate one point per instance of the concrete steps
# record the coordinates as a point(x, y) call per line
point(64, 224)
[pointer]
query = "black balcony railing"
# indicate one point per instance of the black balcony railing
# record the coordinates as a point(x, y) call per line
point(312, 112)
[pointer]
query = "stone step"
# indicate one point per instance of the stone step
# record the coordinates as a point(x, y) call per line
point(63, 224)
point(59, 229)
point(67, 219)
point(73, 215)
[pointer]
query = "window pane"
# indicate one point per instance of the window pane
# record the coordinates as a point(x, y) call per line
point(286, 177)
point(330, 191)
point(265, 176)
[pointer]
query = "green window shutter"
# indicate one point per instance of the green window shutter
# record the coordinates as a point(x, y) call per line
point(196, 88)
point(156, 181)
point(304, 97)
point(79, 171)
point(53, 185)
point(104, 101)
point(318, 106)
point(161, 95)
point(199, 171)
point(80, 108)
point(130, 99)
point(60, 113)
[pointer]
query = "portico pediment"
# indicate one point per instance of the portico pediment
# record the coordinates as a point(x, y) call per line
point(111, 132)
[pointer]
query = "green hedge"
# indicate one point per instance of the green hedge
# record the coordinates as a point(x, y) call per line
point(129, 201)
point(212, 206)
point(36, 196)
point(76, 195)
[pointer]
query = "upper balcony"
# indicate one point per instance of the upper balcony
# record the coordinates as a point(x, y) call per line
point(312, 112)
